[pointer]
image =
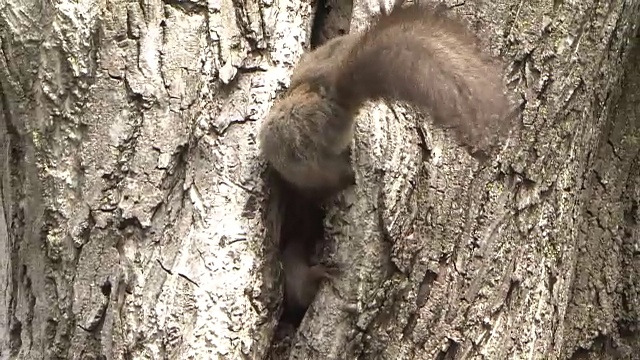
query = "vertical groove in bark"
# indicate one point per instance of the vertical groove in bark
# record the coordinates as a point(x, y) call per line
point(605, 306)
point(11, 220)
point(37, 80)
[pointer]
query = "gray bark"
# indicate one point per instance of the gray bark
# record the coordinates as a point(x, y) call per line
point(130, 187)
point(133, 197)
point(445, 260)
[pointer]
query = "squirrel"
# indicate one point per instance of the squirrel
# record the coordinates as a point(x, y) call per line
point(418, 54)
point(302, 279)
point(298, 238)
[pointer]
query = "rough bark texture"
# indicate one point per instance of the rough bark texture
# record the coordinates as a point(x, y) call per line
point(603, 315)
point(130, 185)
point(132, 193)
point(446, 260)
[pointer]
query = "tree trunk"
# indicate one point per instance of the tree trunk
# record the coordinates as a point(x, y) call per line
point(135, 206)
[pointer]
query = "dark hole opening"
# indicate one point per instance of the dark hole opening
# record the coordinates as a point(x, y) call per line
point(301, 219)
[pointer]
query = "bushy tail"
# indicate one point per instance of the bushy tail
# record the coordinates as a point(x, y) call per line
point(424, 56)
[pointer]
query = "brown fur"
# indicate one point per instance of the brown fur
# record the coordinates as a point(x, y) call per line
point(301, 278)
point(418, 54)
point(321, 62)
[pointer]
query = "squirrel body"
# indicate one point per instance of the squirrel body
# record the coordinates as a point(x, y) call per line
point(417, 54)
point(302, 279)
point(321, 62)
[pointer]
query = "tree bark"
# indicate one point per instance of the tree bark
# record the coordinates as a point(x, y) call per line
point(134, 201)
point(131, 189)
point(446, 260)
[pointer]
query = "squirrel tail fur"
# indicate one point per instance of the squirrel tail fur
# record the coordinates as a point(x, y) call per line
point(421, 55)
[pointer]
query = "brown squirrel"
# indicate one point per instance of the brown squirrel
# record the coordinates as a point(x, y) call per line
point(301, 278)
point(298, 238)
point(418, 54)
